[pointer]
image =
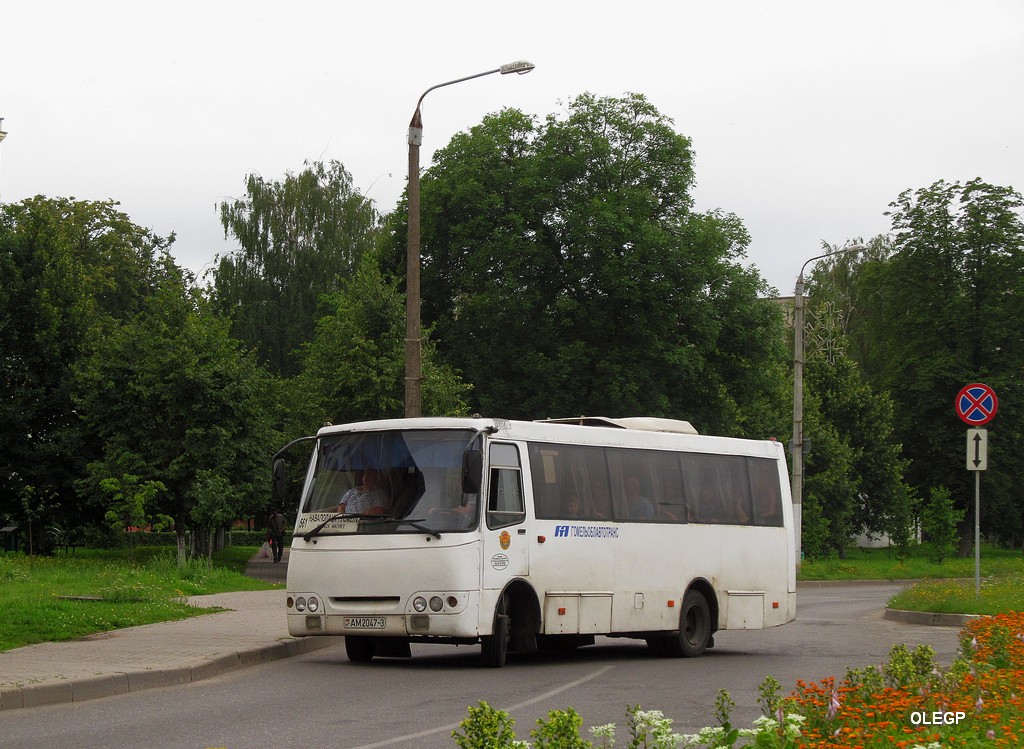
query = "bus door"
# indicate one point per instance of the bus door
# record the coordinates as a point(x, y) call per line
point(506, 548)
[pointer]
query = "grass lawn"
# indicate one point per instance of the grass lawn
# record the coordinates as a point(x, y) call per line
point(942, 588)
point(64, 597)
point(881, 564)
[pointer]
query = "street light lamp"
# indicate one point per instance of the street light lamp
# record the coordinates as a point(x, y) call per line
point(413, 336)
point(797, 476)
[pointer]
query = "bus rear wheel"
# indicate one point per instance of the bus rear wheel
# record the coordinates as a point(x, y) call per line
point(360, 649)
point(694, 635)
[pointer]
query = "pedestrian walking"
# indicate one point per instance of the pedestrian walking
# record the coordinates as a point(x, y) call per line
point(275, 533)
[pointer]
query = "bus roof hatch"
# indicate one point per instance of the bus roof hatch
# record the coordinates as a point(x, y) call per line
point(640, 423)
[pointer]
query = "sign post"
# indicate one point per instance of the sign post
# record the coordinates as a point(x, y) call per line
point(976, 404)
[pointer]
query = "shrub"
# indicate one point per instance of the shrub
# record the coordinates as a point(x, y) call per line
point(939, 521)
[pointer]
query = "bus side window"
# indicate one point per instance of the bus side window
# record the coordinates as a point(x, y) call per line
point(505, 501)
point(764, 480)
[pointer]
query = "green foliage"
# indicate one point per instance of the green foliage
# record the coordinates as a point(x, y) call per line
point(830, 490)
point(560, 731)
point(938, 309)
point(865, 681)
point(299, 238)
point(70, 269)
point(855, 466)
point(939, 521)
point(214, 503)
point(815, 528)
point(36, 505)
point(564, 271)
point(196, 416)
point(353, 369)
point(130, 505)
point(486, 728)
point(906, 668)
point(130, 500)
point(769, 696)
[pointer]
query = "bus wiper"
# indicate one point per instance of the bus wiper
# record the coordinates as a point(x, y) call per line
point(414, 522)
point(337, 516)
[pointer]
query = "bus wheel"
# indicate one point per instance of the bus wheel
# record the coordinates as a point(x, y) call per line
point(360, 649)
point(494, 647)
point(694, 628)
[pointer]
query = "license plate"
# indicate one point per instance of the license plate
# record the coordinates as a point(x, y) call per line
point(364, 622)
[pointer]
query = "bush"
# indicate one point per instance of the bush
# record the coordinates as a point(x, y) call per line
point(939, 521)
point(252, 538)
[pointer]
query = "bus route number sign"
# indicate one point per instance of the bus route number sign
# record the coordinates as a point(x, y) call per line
point(976, 404)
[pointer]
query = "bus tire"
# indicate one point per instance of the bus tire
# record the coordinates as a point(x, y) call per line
point(494, 647)
point(360, 649)
point(694, 627)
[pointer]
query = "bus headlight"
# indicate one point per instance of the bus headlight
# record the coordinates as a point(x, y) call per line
point(436, 604)
point(300, 604)
point(419, 604)
point(313, 604)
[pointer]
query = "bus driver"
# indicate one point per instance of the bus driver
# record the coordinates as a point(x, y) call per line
point(366, 499)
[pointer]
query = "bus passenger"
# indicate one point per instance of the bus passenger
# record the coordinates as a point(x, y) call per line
point(369, 498)
point(600, 499)
point(572, 508)
point(638, 507)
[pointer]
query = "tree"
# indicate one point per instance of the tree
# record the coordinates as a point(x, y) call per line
point(860, 487)
point(131, 504)
point(944, 310)
point(939, 520)
point(565, 272)
point(352, 370)
point(862, 416)
point(69, 269)
point(299, 238)
point(192, 411)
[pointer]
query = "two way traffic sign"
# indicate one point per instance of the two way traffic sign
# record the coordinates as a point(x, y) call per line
point(977, 449)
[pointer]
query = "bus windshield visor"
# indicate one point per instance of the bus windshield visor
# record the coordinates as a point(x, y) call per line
point(392, 482)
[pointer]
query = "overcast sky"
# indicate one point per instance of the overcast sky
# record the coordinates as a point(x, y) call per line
point(807, 118)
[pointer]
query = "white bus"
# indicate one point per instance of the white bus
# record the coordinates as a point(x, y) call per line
point(521, 535)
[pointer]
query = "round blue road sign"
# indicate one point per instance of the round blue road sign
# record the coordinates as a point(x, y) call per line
point(976, 404)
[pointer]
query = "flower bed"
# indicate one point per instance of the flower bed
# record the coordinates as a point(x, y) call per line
point(909, 703)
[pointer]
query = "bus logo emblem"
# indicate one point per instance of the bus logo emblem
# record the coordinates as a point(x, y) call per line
point(505, 539)
point(561, 531)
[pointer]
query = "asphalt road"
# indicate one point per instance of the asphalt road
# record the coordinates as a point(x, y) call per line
point(322, 700)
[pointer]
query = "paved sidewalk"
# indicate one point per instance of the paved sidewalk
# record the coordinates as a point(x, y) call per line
point(252, 631)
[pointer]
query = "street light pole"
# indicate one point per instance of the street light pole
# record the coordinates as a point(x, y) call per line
point(797, 475)
point(413, 334)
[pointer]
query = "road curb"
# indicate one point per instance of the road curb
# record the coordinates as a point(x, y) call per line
point(925, 618)
point(929, 618)
point(79, 690)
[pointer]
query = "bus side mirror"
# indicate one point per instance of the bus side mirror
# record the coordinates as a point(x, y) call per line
point(472, 469)
point(279, 481)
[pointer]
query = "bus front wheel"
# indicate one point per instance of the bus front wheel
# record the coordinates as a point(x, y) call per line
point(360, 649)
point(694, 628)
point(494, 647)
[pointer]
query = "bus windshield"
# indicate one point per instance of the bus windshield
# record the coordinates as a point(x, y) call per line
point(392, 482)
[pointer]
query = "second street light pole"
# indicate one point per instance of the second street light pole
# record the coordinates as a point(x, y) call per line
point(413, 330)
point(797, 476)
